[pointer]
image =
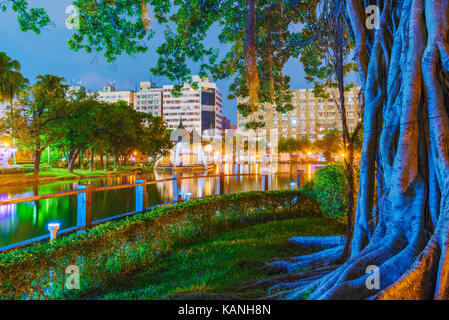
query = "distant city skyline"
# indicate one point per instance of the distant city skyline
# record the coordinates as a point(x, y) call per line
point(49, 53)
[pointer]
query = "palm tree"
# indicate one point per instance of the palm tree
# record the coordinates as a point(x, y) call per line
point(11, 81)
point(53, 84)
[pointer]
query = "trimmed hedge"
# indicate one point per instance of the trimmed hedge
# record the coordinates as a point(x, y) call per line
point(330, 188)
point(117, 248)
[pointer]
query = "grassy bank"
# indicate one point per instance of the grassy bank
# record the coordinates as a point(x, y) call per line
point(114, 250)
point(221, 265)
point(55, 174)
point(63, 173)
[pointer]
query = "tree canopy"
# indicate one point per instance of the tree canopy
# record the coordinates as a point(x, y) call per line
point(28, 18)
point(260, 35)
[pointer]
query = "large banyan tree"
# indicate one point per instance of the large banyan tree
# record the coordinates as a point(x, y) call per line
point(402, 217)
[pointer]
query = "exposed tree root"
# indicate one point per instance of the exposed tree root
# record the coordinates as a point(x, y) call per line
point(290, 277)
point(202, 296)
point(317, 243)
point(307, 262)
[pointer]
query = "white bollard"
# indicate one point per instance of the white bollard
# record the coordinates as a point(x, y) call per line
point(188, 195)
point(53, 228)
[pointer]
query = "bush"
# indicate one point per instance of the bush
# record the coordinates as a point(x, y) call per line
point(330, 189)
point(117, 248)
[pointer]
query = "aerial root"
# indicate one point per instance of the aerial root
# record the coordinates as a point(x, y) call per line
point(330, 251)
point(291, 278)
point(349, 281)
point(414, 284)
point(303, 263)
point(317, 243)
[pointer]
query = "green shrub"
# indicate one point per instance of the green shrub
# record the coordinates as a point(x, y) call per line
point(116, 248)
point(330, 190)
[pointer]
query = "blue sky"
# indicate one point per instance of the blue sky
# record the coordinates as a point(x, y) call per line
point(48, 53)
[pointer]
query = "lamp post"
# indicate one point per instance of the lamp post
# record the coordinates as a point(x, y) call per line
point(53, 229)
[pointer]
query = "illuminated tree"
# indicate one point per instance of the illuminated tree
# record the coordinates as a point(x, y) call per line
point(330, 144)
point(38, 109)
point(79, 130)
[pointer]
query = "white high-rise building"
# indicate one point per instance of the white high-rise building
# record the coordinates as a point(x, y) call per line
point(149, 99)
point(111, 95)
point(200, 109)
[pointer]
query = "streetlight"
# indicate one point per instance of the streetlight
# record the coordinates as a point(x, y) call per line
point(53, 228)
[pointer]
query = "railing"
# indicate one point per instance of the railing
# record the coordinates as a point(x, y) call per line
point(84, 201)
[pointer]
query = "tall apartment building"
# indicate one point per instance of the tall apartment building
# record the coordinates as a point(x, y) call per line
point(111, 95)
point(311, 116)
point(77, 88)
point(149, 99)
point(226, 123)
point(4, 107)
point(200, 109)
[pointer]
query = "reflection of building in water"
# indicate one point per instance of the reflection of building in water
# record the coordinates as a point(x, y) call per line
point(8, 209)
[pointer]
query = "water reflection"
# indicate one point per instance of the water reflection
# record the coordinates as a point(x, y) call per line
point(19, 222)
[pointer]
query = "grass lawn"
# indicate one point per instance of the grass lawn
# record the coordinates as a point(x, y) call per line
point(60, 173)
point(223, 263)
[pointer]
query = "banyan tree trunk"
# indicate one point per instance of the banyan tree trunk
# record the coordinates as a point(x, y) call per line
point(252, 75)
point(402, 217)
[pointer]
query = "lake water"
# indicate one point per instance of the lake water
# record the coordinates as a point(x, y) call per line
point(19, 222)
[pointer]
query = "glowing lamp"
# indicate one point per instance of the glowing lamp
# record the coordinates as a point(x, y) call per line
point(53, 228)
point(293, 185)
